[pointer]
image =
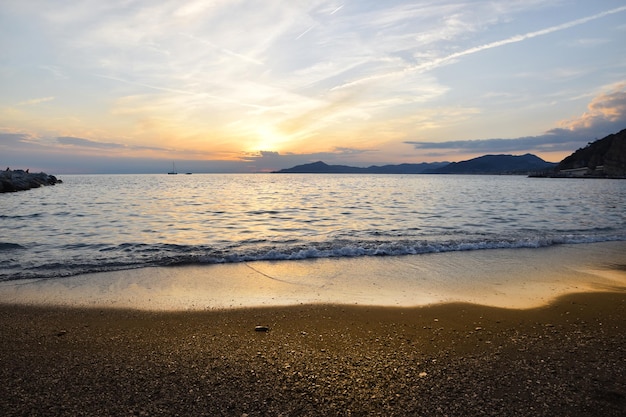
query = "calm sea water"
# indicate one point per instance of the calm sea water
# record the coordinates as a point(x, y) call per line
point(102, 223)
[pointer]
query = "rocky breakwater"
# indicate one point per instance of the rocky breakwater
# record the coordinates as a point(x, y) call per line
point(20, 180)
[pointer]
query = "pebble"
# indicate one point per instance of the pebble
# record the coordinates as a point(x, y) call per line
point(262, 329)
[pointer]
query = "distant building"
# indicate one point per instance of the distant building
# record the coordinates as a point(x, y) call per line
point(575, 172)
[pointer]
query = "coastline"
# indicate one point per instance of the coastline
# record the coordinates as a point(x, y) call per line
point(88, 345)
point(511, 278)
point(458, 359)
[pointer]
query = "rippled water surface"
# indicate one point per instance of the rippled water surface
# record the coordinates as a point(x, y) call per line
point(98, 222)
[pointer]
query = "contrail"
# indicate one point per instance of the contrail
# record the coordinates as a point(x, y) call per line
point(306, 31)
point(337, 9)
point(518, 38)
point(221, 49)
point(513, 39)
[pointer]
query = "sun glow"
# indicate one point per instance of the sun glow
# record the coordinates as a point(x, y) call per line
point(268, 139)
point(359, 84)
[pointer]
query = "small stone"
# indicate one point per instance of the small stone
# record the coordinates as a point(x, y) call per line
point(61, 333)
point(262, 329)
point(478, 329)
point(422, 374)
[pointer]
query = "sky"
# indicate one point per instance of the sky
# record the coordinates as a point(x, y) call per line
point(132, 86)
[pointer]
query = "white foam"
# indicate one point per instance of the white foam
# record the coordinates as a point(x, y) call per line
point(516, 278)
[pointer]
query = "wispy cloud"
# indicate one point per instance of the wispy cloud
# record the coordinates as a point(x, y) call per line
point(9, 139)
point(224, 76)
point(225, 51)
point(72, 141)
point(88, 143)
point(445, 60)
point(516, 38)
point(549, 142)
point(183, 92)
point(35, 101)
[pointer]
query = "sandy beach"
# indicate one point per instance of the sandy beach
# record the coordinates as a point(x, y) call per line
point(564, 359)
point(465, 336)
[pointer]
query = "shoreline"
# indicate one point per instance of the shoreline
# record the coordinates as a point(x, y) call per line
point(520, 332)
point(455, 359)
point(515, 278)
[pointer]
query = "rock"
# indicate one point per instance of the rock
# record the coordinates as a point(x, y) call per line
point(262, 329)
point(20, 180)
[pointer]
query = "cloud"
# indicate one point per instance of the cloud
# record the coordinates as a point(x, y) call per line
point(606, 115)
point(604, 109)
point(209, 79)
point(87, 143)
point(11, 139)
point(35, 101)
point(553, 141)
point(529, 35)
point(450, 58)
point(182, 92)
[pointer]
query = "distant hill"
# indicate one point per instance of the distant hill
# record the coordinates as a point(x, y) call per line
point(488, 164)
point(603, 158)
point(320, 167)
point(496, 164)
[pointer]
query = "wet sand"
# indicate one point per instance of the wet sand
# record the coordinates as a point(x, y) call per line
point(512, 278)
point(564, 359)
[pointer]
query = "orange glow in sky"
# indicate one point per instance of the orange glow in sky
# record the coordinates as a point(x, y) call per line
point(237, 86)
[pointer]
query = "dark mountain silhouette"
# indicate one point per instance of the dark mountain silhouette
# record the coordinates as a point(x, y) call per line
point(603, 158)
point(320, 167)
point(496, 164)
point(488, 164)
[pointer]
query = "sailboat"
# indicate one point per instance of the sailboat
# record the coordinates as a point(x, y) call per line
point(173, 171)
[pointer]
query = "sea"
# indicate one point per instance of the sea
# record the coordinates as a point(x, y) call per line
point(97, 223)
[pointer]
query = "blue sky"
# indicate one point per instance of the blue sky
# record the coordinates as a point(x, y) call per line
point(243, 86)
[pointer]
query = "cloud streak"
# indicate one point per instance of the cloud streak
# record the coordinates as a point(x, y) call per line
point(89, 143)
point(92, 144)
point(448, 59)
point(35, 101)
point(519, 38)
point(229, 77)
point(183, 92)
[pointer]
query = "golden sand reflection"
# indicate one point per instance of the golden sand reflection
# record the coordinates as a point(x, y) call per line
point(501, 278)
